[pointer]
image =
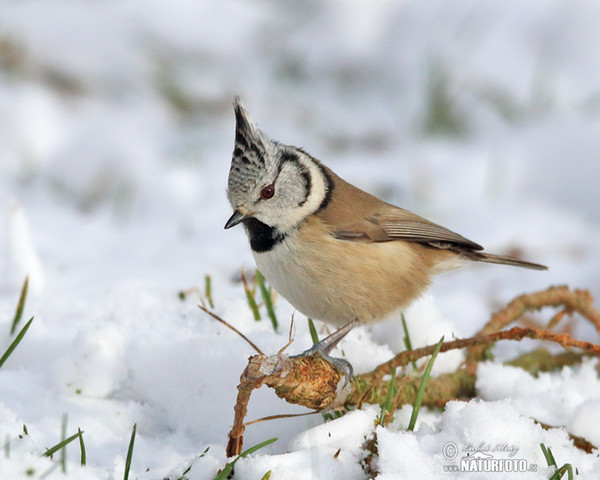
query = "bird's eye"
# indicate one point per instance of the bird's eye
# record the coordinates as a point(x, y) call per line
point(267, 192)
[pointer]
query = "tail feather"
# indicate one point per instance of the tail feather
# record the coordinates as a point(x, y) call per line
point(501, 260)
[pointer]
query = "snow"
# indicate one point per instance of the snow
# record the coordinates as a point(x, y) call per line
point(116, 131)
point(467, 425)
point(313, 452)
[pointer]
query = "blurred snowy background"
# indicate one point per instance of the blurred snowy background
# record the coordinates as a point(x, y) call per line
point(116, 132)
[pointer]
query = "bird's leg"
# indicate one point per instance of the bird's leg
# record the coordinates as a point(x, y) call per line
point(327, 344)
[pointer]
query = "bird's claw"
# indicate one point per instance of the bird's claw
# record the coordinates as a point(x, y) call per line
point(325, 346)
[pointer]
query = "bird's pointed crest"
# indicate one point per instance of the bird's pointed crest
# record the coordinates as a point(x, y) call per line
point(249, 155)
point(247, 132)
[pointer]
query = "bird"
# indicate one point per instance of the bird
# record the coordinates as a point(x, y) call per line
point(335, 252)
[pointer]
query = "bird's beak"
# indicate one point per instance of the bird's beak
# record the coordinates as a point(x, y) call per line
point(236, 218)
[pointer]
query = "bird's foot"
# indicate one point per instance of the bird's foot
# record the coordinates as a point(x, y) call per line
point(322, 349)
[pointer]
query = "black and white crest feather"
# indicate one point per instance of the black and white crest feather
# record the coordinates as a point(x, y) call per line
point(248, 154)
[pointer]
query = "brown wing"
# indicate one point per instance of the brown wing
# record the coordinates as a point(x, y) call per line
point(399, 224)
point(354, 215)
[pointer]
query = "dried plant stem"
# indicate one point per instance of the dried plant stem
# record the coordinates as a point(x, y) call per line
point(278, 417)
point(308, 380)
point(236, 435)
point(440, 390)
point(579, 301)
point(231, 327)
point(312, 381)
point(370, 388)
point(515, 333)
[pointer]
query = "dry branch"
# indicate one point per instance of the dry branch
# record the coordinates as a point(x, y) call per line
point(571, 301)
point(310, 381)
point(313, 382)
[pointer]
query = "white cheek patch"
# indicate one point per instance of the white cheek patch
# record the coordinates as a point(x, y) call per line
point(316, 194)
point(318, 187)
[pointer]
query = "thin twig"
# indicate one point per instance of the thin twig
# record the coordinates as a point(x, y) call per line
point(231, 327)
point(282, 415)
point(290, 337)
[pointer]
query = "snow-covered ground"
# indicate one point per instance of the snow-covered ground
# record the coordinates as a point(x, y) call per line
point(116, 132)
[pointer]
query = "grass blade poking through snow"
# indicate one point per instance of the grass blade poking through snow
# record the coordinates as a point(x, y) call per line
point(63, 451)
point(561, 471)
point(227, 469)
point(407, 342)
point(313, 331)
point(424, 380)
point(20, 306)
point(267, 296)
point(15, 342)
point(82, 448)
point(558, 474)
point(208, 290)
point(548, 455)
point(129, 453)
point(387, 406)
point(60, 445)
point(250, 298)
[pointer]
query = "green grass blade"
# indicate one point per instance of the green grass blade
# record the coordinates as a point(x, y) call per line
point(561, 471)
point(223, 474)
point(266, 476)
point(548, 455)
point(250, 298)
point(313, 331)
point(63, 451)
point(82, 448)
point(184, 472)
point(129, 453)
point(208, 290)
point(569, 471)
point(20, 306)
point(58, 446)
point(15, 342)
point(327, 417)
point(424, 380)
point(267, 298)
point(387, 406)
point(407, 342)
point(253, 449)
point(253, 306)
point(551, 461)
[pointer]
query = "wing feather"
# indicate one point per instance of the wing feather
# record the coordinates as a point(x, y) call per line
point(400, 224)
point(357, 216)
